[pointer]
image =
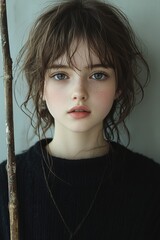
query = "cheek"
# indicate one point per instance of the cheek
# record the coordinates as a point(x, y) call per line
point(105, 99)
point(105, 96)
point(54, 100)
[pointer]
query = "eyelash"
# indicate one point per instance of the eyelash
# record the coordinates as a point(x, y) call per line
point(105, 76)
point(62, 74)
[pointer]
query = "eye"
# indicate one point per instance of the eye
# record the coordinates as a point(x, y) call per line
point(59, 76)
point(99, 76)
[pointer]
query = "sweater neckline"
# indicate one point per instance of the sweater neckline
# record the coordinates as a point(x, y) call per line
point(75, 172)
point(40, 148)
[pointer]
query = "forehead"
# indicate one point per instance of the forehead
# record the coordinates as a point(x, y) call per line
point(80, 56)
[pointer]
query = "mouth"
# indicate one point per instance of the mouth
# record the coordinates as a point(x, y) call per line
point(79, 112)
point(79, 109)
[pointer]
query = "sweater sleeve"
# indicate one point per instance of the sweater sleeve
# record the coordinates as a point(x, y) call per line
point(150, 174)
point(4, 214)
point(153, 216)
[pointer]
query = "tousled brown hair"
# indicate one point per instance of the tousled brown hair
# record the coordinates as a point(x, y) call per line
point(107, 32)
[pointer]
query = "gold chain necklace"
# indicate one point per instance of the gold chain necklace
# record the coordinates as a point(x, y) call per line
point(73, 233)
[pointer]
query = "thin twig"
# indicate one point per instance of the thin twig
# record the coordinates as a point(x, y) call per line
point(11, 164)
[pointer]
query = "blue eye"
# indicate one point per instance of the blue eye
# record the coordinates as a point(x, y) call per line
point(99, 76)
point(59, 76)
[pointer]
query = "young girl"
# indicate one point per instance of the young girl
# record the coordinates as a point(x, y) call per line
point(82, 65)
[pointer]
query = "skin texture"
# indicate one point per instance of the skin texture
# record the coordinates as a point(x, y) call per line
point(79, 135)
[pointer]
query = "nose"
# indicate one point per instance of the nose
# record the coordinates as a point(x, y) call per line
point(80, 92)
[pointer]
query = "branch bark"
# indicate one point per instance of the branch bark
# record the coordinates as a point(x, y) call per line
point(11, 164)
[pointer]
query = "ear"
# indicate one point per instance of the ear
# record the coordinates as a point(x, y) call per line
point(43, 96)
point(43, 92)
point(117, 94)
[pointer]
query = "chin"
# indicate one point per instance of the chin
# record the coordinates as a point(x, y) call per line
point(80, 128)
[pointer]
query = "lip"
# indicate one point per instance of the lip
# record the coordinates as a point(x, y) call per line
point(79, 112)
point(79, 108)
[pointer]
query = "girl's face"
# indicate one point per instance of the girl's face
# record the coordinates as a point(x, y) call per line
point(79, 97)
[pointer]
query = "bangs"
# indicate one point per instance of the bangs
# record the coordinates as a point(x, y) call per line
point(68, 54)
point(65, 31)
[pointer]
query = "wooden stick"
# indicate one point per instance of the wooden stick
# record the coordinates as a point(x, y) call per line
point(11, 164)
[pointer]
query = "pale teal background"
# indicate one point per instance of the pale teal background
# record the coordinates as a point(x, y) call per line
point(144, 123)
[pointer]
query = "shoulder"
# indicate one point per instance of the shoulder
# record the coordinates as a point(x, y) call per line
point(136, 166)
point(27, 158)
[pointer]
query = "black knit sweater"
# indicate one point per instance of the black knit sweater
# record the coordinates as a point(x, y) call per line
point(112, 197)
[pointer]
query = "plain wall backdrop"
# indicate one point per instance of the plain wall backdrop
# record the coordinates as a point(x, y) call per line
point(143, 123)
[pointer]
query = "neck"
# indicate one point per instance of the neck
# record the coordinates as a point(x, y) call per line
point(73, 145)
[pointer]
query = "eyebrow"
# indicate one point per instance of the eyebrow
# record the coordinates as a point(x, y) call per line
point(58, 66)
